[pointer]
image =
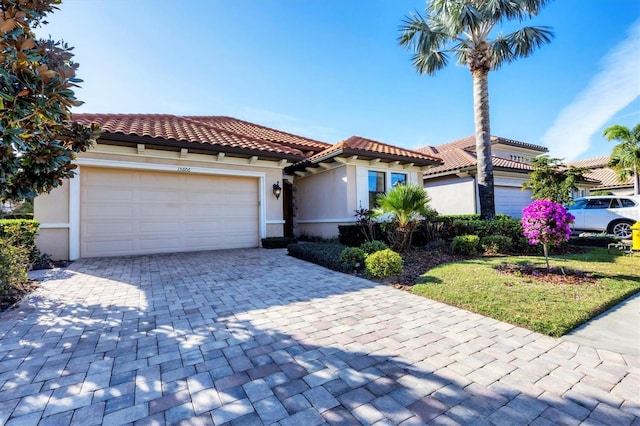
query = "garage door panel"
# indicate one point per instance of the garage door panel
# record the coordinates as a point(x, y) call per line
point(126, 212)
point(117, 195)
point(99, 211)
point(110, 248)
point(158, 211)
point(511, 200)
point(113, 228)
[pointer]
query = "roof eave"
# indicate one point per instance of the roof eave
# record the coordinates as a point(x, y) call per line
point(124, 139)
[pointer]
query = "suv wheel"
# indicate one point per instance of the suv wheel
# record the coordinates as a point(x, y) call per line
point(620, 228)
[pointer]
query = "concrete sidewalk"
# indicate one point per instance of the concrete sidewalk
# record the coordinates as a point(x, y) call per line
point(617, 329)
point(255, 337)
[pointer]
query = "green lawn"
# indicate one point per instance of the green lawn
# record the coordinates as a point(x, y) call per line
point(552, 309)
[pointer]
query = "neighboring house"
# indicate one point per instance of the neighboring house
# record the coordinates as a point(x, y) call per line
point(607, 178)
point(452, 185)
point(165, 183)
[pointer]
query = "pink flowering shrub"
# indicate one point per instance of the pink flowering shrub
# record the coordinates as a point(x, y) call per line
point(546, 223)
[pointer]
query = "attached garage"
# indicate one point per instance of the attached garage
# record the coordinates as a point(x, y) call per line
point(511, 200)
point(131, 212)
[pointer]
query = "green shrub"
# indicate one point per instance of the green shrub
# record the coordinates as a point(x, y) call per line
point(371, 247)
point(465, 244)
point(323, 254)
point(493, 244)
point(21, 233)
point(14, 263)
point(383, 264)
point(353, 257)
point(506, 226)
point(277, 242)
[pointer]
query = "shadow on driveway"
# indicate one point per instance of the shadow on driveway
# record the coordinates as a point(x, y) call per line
point(257, 337)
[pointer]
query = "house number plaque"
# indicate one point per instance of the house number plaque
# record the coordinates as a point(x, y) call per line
point(184, 169)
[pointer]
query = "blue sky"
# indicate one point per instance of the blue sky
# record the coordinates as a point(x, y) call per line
point(330, 69)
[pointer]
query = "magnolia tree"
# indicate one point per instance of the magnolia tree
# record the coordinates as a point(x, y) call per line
point(546, 223)
point(38, 138)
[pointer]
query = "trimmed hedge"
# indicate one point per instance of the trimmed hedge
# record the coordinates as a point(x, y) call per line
point(465, 244)
point(323, 254)
point(21, 233)
point(383, 264)
point(277, 242)
point(484, 228)
point(14, 264)
point(353, 256)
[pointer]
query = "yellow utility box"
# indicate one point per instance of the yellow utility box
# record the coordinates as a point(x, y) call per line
point(635, 236)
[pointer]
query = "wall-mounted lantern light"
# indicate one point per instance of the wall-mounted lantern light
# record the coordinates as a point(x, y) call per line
point(277, 190)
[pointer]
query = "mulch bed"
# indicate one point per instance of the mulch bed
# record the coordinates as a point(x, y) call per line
point(555, 275)
point(417, 262)
point(14, 294)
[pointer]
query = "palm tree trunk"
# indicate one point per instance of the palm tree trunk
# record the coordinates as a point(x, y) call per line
point(636, 181)
point(483, 145)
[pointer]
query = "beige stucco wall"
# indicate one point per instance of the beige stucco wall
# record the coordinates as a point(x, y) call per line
point(324, 200)
point(54, 242)
point(52, 210)
point(452, 195)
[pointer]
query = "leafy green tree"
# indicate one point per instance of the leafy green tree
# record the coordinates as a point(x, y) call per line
point(401, 211)
point(463, 28)
point(37, 77)
point(552, 180)
point(625, 157)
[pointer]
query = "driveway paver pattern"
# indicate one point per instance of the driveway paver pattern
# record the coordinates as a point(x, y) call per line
point(249, 337)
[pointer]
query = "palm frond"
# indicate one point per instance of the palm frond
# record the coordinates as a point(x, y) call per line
point(523, 42)
point(430, 62)
point(501, 52)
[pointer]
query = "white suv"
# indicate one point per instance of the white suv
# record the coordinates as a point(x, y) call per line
point(614, 214)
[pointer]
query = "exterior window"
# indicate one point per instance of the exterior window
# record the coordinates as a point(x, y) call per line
point(398, 179)
point(376, 187)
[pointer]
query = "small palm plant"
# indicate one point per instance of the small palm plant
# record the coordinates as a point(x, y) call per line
point(401, 211)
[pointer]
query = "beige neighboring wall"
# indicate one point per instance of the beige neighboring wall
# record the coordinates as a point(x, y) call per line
point(452, 195)
point(52, 211)
point(323, 201)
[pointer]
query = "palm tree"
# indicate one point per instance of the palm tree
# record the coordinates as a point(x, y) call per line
point(462, 28)
point(625, 157)
point(406, 204)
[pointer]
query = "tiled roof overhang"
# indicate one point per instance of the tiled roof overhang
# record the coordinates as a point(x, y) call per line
point(171, 132)
point(366, 149)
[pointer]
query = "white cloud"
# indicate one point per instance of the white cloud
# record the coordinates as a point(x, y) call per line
point(614, 87)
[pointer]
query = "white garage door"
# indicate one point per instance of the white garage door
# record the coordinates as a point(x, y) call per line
point(128, 212)
point(511, 200)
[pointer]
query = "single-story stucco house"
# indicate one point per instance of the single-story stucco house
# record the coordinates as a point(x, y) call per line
point(166, 183)
point(452, 185)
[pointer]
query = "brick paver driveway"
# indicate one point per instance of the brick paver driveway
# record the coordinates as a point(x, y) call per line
point(256, 337)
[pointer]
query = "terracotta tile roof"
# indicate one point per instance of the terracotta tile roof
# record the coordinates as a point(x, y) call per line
point(469, 143)
point(369, 148)
point(598, 171)
point(459, 159)
point(261, 132)
point(591, 163)
point(607, 178)
point(178, 128)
